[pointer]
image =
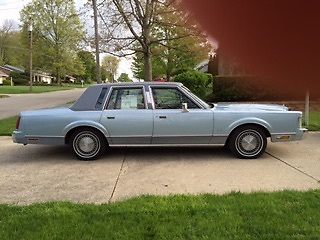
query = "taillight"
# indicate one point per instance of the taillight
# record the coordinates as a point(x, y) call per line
point(18, 122)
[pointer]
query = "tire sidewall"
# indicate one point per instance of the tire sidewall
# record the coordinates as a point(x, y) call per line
point(233, 143)
point(96, 135)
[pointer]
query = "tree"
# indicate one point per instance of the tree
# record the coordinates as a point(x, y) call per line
point(88, 62)
point(124, 77)
point(57, 32)
point(132, 26)
point(10, 44)
point(110, 65)
point(182, 47)
point(176, 57)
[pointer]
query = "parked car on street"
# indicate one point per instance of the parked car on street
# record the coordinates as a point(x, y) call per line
point(156, 114)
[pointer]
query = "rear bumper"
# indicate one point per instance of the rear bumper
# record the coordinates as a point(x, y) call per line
point(19, 137)
point(285, 137)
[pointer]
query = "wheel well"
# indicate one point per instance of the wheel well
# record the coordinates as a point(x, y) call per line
point(266, 131)
point(71, 131)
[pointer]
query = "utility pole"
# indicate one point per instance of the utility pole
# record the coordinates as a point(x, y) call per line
point(30, 62)
point(96, 40)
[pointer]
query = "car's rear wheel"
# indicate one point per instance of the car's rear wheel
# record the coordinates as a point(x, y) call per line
point(88, 144)
point(248, 142)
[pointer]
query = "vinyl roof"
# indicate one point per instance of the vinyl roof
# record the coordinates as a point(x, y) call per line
point(139, 83)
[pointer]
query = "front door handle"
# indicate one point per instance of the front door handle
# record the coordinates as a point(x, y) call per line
point(110, 117)
point(162, 117)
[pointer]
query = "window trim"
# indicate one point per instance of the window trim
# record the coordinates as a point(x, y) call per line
point(173, 87)
point(105, 95)
point(126, 87)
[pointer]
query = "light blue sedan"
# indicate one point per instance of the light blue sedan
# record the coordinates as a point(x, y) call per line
point(156, 114)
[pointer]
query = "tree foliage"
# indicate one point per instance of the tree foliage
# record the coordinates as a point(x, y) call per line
point(58, 33)
point(141, 27)
point(88, 62)
point(124, 77)
point(11, 49)
point(110, 66)
point(196, 81)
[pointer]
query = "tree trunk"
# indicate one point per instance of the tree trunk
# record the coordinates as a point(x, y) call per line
point(58, 77)
point(148, 65)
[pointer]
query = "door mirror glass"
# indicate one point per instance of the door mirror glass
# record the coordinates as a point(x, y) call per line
point(185, 107)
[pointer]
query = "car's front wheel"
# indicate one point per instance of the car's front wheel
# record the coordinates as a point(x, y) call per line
point(248, 142)
point(88, 144)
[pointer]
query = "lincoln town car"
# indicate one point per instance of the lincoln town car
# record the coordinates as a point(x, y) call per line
point(156, 114)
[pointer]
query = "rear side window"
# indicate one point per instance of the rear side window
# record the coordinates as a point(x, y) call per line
point(126, 98)
point(100, 100)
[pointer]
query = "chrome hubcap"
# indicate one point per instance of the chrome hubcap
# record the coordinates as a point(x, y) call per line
point(249, 143)
point(86, 144)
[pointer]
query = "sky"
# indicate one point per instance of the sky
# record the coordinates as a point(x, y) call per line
point(10, 9)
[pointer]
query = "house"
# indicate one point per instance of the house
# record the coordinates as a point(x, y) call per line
point(9, 69)
point(42, 77)
point(3, 76)
point(69, 79)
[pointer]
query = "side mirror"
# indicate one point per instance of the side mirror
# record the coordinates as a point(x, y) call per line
point(185, 107)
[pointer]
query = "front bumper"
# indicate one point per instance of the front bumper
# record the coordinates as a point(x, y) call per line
point(285, 137)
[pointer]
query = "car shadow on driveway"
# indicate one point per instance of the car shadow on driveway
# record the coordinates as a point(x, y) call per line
point(59, 154)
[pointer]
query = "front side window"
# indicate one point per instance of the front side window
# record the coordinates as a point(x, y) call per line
point(170, 98)
point(126, 98)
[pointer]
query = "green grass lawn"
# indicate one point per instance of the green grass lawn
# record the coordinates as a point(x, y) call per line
point(35, 89)
point(280, 215)
point(7, 125)
point(314, 122)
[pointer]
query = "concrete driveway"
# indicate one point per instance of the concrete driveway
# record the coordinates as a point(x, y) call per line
point(16, 103)
point(32, 173)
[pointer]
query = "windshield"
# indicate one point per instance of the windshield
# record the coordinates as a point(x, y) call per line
point(206, 105)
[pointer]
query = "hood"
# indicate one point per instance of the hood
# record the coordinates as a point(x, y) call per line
point(250, 107)
point(46, 112)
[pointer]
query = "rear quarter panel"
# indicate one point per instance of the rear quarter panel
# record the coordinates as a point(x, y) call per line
point(57, 122)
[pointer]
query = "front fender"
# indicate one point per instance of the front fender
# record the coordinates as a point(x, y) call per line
point(85, 123)
point(243, 121)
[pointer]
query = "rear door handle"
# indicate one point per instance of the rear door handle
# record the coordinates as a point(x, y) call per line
point(110, 117)
point(162, 117)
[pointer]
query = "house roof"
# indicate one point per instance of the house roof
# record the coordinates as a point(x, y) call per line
point(2, 74)
point(12, 68)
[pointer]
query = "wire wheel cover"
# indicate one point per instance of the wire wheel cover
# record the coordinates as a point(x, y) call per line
point(86, 144)
point(249, 143)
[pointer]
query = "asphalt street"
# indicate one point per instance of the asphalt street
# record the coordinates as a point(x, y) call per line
point(16, 103)
point(34, 173)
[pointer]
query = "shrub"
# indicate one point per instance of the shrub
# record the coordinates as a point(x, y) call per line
point(6, 82)
point(19, 78)
point(198, 82)
point(240, 88)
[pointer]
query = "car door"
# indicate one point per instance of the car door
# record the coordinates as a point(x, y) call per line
point(172, 125)
point(127, 117)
